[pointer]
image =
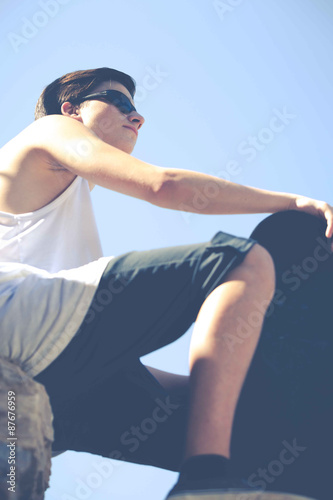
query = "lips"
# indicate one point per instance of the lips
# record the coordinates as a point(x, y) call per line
point(131, 128)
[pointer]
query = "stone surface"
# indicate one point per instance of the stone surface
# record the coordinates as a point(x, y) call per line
point(34, 433)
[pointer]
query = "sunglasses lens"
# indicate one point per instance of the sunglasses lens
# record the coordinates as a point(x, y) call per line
point(118, 99)
point(123, 104)
point(124, 108)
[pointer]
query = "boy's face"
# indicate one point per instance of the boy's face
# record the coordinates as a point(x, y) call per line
point(110, 124)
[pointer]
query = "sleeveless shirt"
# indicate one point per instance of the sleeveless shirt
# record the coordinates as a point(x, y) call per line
point(51, 263)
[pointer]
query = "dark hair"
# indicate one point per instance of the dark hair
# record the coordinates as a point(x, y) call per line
point(77, 84)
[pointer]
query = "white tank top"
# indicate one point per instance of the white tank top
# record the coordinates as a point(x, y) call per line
point(50, 265)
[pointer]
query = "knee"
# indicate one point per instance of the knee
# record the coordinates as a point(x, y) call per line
point(260, 270)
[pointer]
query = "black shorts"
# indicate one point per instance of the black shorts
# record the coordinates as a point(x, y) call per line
point(103, 398)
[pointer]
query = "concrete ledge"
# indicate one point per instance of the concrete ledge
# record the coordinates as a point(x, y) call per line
point(30, 453)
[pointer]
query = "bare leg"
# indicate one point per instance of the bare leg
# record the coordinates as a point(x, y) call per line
point(220, 356)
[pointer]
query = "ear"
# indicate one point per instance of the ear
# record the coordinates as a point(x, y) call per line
point(71, 110)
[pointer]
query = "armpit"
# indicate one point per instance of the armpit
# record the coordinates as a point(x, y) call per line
point(54, 165)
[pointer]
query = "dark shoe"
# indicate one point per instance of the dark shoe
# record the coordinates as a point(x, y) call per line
point(28, 443)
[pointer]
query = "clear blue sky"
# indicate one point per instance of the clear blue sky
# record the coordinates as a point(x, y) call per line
point(236, 89)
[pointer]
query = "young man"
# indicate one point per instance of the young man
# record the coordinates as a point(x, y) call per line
point(78, 322)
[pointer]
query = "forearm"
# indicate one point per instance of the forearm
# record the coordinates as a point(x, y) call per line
point(196, 192)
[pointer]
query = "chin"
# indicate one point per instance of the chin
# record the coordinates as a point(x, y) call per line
point(127, 148)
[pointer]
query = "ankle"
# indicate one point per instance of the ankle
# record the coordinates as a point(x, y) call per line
point(205, 466)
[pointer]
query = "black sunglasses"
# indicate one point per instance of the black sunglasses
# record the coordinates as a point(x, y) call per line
point(118, 99)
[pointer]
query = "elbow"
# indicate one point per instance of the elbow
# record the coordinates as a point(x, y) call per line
point(162, 189)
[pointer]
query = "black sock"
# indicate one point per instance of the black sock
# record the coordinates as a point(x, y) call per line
point(204, 467)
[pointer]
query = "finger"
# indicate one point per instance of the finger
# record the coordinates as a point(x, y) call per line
point(329, 229)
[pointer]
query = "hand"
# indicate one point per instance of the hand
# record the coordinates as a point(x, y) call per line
point(315, 207)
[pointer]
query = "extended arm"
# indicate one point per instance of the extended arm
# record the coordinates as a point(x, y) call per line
point(201, 193)
point(80, 151)
point(197, 192)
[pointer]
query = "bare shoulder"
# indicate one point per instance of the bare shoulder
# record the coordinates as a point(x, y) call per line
point(40, 130)
point(47, 156)
point(29, 177)
point(49, 130)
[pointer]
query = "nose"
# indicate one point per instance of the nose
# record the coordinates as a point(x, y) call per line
point(137, 119)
